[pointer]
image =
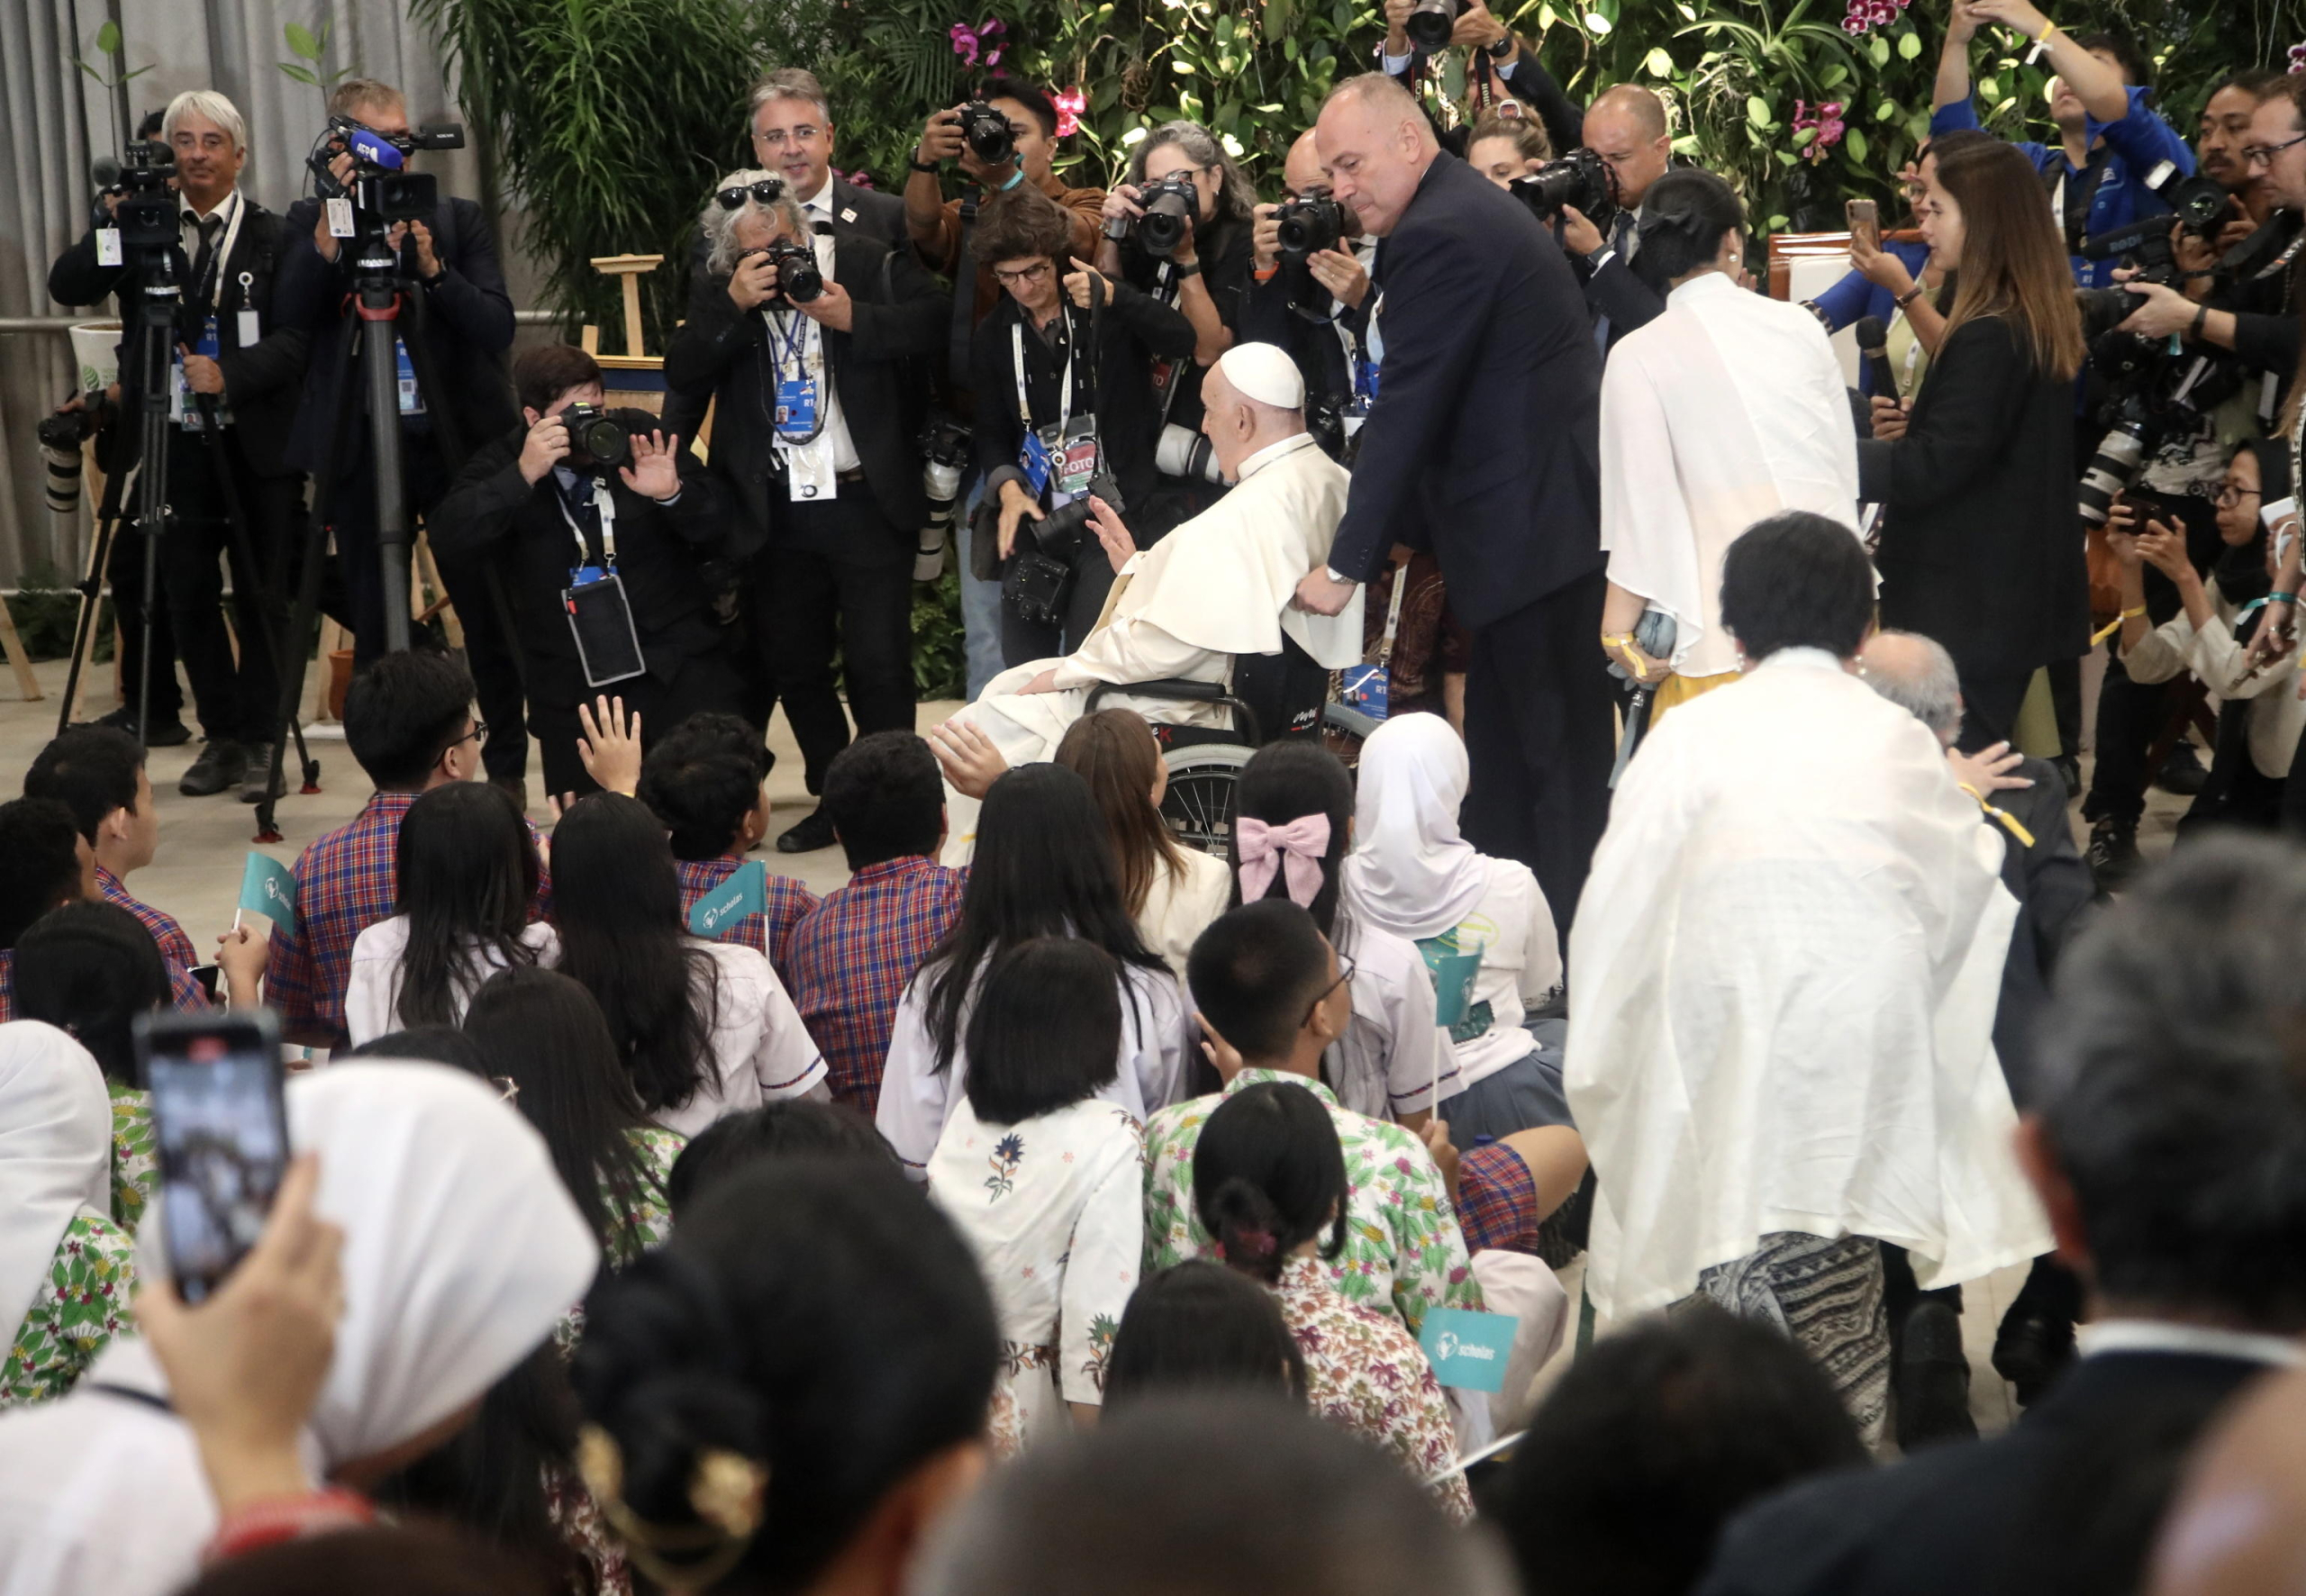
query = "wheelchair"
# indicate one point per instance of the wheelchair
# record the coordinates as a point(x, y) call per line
point(1271, 698)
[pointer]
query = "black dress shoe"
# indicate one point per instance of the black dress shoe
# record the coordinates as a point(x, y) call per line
point(813, 832)
point(171, 733)
point(2030, 1350)
point(2183, 772)
point(222, 764)
point(1933, 1379)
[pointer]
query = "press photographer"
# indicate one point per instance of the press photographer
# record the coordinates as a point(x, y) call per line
point(1309, 292)
point(804, 335)
point(1177, 228)
point(1502, 75)
point(1592, 199)
point(1002, 140)
point(598, 523)
point(1063, 375)
point(234, 353)
point(454, 328)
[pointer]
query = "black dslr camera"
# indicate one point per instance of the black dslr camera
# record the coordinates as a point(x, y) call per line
point(798, 278)
point(1308, 226)
point(987, 134)
point(1170, 205)
point(597, 440)
point(2151, 395)
point(1039, 582)
point(147, 213)
point(1581, 180)
point(382, 189)
point(1431, 23)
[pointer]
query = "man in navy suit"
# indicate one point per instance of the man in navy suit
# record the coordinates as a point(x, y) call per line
point(1480, 445)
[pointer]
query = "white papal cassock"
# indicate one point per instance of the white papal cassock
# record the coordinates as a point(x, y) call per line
point(1784, 968)
point(1219, 586)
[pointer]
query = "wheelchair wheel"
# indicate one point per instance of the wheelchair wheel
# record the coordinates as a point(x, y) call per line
point(1344, 730)
point(1199, 803)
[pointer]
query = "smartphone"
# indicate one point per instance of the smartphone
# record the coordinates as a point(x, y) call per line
point(222, 1131)
point(1864, 222)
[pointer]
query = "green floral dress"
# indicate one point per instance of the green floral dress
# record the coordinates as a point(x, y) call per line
point(81, 1306)
point(648, 1220)
point(135, 1156)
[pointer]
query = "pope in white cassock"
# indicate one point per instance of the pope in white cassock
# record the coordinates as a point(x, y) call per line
point(1218, 586)
point(1783, 979)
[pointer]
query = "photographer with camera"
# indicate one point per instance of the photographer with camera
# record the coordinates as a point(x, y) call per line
point(1178, 227)
point(2111, 140)
point(456, 305)
point(1504, 76)
point(236, 353)
point(598, 523)
point(1002, 141)
point(802, 334)
point(1626, 129)
point(1309, 287)
point(1062, 371)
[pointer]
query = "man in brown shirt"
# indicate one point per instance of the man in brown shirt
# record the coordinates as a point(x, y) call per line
point(934, 222)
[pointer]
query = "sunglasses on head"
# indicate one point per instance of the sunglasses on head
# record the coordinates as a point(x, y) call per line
point(767, 190)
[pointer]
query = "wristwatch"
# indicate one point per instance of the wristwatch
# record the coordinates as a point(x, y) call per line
point(1502, 50)
point(1186, 268)
point(919, 164)
point(1903, 299)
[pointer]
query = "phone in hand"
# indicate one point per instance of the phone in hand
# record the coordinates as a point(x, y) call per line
point(1865, 219)
point(222, 1131)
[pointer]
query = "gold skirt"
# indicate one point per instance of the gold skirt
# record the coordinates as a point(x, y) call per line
point(1680, 689)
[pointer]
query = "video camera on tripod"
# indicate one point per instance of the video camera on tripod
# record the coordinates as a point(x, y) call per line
point(146, 213)
point(382, 188)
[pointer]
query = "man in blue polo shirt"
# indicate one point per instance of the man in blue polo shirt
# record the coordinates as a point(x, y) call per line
point(2111, 139)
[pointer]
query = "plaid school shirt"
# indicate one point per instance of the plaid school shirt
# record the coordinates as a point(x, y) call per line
point(851, 956)
point(185, 990)
point(768, 933)
point(345, 882)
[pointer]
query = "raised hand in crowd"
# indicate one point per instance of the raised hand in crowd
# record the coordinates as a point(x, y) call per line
point(546, 446)
point(655, 472)
point(1879, 267)
point(245, 1366)
point(1079, 282)
point(967, 757)
point(1119, 547)
point(610, 747)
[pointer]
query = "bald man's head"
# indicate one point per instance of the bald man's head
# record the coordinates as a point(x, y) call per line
point(1626, 127)
point(1375, 146)
point(1916, 673)
point(1301, 171)
point(2239, 1526)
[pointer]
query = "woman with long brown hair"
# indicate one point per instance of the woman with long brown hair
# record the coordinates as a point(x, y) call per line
point(1171, 892)
point(1981, 542)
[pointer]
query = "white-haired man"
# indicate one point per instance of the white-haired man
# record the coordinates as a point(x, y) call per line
point(1217, 587)
point(230, 353)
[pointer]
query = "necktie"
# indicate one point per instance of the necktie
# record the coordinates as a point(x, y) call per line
point(203, 256)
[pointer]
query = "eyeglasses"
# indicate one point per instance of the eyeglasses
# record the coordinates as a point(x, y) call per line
point(479, 733)
point(767, 190)
point(1343, 975)
point(1022, 275)
point(775, 139)
point(2251, 154)
point(2229, 496)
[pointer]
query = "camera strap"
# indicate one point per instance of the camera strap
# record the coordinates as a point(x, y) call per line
point(588, 558)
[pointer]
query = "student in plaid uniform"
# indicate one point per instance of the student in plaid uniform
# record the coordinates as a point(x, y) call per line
point(44, 862)
point(97, 772)
point(705, 778)
point(408, 720)
point(852, 954)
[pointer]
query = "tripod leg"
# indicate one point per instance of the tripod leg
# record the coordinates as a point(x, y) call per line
point(92, 594)
point(382, 373)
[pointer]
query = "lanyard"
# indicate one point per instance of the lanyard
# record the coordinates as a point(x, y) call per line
point(606, 508)
point(1065, 379)
point(223, 252)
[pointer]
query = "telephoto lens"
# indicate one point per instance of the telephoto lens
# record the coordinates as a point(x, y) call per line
point(798, 278)
point(1431, 23)
point(596, 435)
point(61, 436)
point(2112, 470)
point(1186, 453)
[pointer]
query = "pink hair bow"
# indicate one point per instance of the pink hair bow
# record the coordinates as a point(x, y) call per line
point(1300, 846)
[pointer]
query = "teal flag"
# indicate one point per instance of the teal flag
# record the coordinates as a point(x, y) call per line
point(1453, 985)
point(744, 892)
point(1468, 1349)
point(268, 887)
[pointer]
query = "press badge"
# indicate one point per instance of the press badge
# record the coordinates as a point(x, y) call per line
point(108, 249)
point(1076, 460)
point(250, 329)
point(339, 218)
point(410, 402)
point(1033, 460)
point(796, 408)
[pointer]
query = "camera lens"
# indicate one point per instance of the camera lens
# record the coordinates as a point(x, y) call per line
point(2110, 471)
point(1163, 226)
point(1431, 23)
point(1307, 227)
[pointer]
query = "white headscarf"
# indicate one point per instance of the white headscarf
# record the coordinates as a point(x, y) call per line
point(461, 1251)
point(1410, 872)
point(55, 1154)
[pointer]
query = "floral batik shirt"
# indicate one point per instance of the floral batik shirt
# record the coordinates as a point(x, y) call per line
point(135, 1156)
point(1362, 1371)
point(648, 1220)
point(1403, 1252)
point(80, 1307)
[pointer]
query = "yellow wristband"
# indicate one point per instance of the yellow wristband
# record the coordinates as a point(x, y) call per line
point(2115, 625)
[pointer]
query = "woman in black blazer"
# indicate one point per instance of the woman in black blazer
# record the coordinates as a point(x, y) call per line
point(1982, 541)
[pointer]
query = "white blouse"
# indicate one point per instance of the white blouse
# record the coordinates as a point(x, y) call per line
point(372, 995)
point(1521, 962)
point(1179, 907)
point(761, 1051)
point(1393, 1051)
point(918, 1100)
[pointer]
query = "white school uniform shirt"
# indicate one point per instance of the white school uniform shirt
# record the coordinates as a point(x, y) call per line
point(1053, 1207)
point(1392, 1050)
point(918, 1100)
point(372, 995)
point(1521, 963)
point(1724, 411)
point(760, 1050)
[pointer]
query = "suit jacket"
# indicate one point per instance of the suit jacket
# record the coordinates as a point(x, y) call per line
point(262, 380)
point(490, 509)
point(1615, 290)
point(1482, 445)
point(464, 318)
point(2053, 889)
point(2079, 1480)
point(1981, 545)
point(722, 352)
point(879, 216)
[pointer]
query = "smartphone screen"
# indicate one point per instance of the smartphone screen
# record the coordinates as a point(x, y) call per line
point(222, 1133)
point(1864, 222)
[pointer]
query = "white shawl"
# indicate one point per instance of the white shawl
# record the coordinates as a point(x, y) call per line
point(55, 1154)
point(1410, 872)
point(1789, 953)
point(462, 1250)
